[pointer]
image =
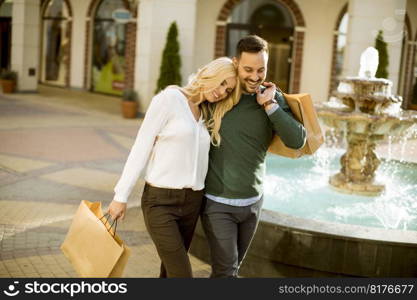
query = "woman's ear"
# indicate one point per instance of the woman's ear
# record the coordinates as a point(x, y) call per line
point(235, 61)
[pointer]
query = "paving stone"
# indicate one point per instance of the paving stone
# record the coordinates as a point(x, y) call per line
point(21, 165)
point(123, 141)
point(85, 178)
point(58, 144)
point(38, 189)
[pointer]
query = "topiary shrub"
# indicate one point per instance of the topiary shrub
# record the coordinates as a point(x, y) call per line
point(381, 46)
point(169, 72)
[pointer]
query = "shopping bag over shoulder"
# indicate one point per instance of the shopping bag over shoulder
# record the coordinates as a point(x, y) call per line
point(303, 109)
point(92, 246)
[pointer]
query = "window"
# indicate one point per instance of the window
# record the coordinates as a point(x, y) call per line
point(56, 38)
point(108, 54)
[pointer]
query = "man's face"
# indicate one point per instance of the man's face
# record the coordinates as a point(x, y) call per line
point(252, 69)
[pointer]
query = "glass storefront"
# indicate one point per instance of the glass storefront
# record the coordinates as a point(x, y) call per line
point(55, 46)
point(5, 34)
point(272, 22)
point(108, 53)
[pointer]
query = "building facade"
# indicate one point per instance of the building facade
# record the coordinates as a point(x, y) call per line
point(106, 46)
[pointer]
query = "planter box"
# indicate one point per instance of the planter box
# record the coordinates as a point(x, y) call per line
point(8, 86)
point(129, 109)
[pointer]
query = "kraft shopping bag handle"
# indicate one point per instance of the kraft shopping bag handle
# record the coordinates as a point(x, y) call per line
point(107, 215)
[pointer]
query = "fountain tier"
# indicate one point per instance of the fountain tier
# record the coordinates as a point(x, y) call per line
point(367, 112)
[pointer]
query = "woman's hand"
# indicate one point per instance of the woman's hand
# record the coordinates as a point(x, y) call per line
point(267, 94)
point(117, 210)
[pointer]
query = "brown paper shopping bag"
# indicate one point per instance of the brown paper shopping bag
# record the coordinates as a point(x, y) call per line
point(92, 246)
point(303, 109)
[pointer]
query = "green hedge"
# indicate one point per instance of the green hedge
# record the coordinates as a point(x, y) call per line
point(381, 46)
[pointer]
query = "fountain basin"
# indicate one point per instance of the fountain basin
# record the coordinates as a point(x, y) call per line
point(288, 244)
point(362, 123)
point(368, 95)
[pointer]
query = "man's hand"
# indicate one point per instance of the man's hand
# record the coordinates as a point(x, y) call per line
point(117, 210)
point(267, 94)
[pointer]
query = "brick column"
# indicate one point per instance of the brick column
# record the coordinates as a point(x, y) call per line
point(409, 78)
point(297, 59)
point(130, 55)
point(220, 46)
point(87, 60)
point(333, 83)
point(68, 62)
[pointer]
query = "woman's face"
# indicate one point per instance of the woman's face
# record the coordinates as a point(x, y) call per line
point(222, 91)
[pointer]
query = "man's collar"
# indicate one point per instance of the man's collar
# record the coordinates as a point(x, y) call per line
point(247, 93)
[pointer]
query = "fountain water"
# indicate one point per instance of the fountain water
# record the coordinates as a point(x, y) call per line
point(366, 110)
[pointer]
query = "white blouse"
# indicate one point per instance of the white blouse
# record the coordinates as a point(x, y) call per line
point(171, 147)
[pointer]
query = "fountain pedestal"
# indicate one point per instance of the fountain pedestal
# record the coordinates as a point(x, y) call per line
point(359, 164)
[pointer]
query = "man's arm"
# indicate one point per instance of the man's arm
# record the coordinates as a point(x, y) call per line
point(291, 132)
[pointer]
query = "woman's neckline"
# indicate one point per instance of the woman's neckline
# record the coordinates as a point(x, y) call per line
point(188, 104)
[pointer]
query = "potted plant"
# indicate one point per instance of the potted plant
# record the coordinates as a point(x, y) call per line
point(129, 104)
point(8, 80)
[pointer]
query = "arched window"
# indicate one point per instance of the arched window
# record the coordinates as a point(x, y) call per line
point(271, 21)
point(109, 47)
point(56, 43)
point(339, 46)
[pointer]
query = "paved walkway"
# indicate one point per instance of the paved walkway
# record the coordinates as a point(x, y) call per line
point(57, 148)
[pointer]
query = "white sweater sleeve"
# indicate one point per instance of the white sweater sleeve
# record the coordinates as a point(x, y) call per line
point(155, 118)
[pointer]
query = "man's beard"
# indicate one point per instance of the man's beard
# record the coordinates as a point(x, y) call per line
point(251, 88)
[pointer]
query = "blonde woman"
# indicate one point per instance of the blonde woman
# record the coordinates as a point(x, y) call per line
point(171, 153)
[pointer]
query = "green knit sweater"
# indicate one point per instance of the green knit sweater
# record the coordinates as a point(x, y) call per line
point(237, 167)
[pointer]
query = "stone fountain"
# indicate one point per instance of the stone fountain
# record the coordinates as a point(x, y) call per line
point(364, 108)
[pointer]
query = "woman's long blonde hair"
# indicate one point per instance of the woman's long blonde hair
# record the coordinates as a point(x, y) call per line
point(207, 79)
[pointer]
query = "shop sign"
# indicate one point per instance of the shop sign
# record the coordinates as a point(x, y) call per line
point(122, 15)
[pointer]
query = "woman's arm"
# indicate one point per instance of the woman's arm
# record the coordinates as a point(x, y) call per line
point(154, 120)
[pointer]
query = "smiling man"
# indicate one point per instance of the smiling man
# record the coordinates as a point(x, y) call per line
point(234, 182)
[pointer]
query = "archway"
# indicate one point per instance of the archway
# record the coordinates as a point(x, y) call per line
point(280, 22)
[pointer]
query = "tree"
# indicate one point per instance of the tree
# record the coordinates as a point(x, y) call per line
point(381, 46)
point(169, 72)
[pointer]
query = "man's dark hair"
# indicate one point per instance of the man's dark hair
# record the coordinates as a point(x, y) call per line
point(251, 44)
